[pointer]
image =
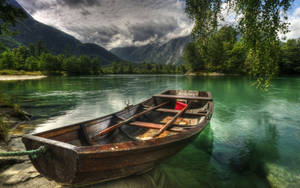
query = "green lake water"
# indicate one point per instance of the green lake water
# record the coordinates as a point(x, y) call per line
point(253, 139)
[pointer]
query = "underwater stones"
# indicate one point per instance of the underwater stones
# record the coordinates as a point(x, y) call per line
point(15, 144)
point(18, 173)
point(39, 182)
point(282, 177)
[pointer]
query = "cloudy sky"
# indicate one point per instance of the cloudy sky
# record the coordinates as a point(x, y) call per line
point(119, 23)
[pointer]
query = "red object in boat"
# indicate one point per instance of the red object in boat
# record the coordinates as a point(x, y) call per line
point(180, 105)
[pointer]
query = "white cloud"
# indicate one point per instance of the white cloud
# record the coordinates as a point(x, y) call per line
point(114, 23)
point(294, 28)
point(119, 23)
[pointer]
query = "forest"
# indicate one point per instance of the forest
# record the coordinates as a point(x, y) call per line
point(38, 58)
point(225, 52)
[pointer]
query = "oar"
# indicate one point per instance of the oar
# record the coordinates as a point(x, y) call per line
point(105, 131)
point(170, 122)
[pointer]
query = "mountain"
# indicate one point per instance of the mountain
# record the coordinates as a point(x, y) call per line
point(56, 41)
point(170, 52)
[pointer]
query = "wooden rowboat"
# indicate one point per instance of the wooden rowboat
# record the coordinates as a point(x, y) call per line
point(124, 143)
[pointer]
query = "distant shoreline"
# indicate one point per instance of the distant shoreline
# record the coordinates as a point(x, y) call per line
point(209, 74)
point(20, 77)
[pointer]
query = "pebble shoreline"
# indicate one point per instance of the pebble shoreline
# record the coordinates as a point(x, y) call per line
point(21, 77)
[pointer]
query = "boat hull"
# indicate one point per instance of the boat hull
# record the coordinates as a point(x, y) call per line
point(68, 166)
point(78, 154)
point(104, 167)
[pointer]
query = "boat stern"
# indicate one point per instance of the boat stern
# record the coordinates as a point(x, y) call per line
point(58, 163)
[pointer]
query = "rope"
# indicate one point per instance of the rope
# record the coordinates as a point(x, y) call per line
point(32, 153)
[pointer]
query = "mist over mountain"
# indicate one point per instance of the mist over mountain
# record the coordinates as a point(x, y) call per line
point(170, 52)
point(114, 23)
point(31, 31)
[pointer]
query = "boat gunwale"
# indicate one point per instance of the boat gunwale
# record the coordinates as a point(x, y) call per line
point(140, 144)
point(134, 145)
point(50, 142)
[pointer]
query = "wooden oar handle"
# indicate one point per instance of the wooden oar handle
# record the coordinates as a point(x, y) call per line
point(170, 122)
point(113, 127)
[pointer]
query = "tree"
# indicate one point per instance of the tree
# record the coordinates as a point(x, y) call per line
point(31, 48)
point(130, 69)
point(115, 67)
point(2, 47)
point(71, 65)
point(192, 57)
point(85, 65)
point(40, 48)
point(9, 16)
point(32, 64)
point(260, 23)
point(7, 60)
point(50, 62)
point(236, 59)
point(180, 69)
point(218, 47)
point(21, 54)
point(290, 60)
point(96, 66)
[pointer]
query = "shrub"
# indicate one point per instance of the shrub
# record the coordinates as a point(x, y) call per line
point(4, 129)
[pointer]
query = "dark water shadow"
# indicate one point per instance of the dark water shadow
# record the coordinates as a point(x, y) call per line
point(157, 177)
point(189, 168)
point(248, 165)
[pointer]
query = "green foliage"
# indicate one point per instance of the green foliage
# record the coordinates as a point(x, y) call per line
point(83, 65)
point(7, 60)
point(222, 52)
point(193, 58)
point(36, 57)
point(143, 68)
point(262, 63)
point(2, 47)
point(289, 62)
point(4, 129)
point(32, 64)
point(218, 53)
point(21, 54)
point(260, 23)
point(25, 58)
point(8, 42)
point(236, 58)
point(71, 65)
point(217, 47)
point(21, 72)
point(50, 62)
point(9, 16)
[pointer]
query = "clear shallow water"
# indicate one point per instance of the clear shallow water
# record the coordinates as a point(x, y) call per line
point(253, 139)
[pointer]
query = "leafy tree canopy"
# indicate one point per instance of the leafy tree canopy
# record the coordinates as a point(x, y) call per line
point(259, 22)
point(9, 16)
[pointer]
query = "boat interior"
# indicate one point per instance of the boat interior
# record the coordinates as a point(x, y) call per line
point(169, 113)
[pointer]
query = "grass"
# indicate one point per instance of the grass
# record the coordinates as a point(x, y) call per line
point(20, 72)
point(17, 111)
point(9, 111)
point(4, 129)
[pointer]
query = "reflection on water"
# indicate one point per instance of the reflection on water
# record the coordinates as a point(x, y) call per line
point(251, 141)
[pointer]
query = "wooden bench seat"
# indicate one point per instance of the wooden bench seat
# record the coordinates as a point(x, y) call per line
point(154, 126)
point(176, 111)
point(183, 97)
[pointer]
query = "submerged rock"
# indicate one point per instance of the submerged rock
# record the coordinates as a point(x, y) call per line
point(18, 173)
point(8, 161)
point(15, 144)
point(279, 176)
point(39, 182)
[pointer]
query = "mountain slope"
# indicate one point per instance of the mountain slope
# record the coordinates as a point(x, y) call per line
point(167, 53)
point(32, 31)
